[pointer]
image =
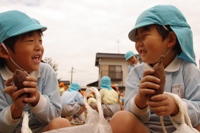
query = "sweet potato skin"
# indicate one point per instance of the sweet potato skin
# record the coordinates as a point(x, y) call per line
point(159, 72)
point(19, 77)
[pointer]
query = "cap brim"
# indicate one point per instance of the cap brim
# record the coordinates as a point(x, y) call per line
point(29, 28)
point(132, 33)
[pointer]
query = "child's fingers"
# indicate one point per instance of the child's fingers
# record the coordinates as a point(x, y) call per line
point(148, 72)
point(30, 78)
point(10, 90)
point(30, 84)
point(150, 78)
point(9, 81)
point(149, 82)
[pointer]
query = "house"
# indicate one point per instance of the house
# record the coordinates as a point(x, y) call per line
point(113, 65)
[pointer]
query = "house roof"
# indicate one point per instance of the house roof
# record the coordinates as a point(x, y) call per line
point(66, 82)
point(95, 83)
point(108, 55)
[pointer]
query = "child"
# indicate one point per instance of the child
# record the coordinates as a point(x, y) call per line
point(116, 88)
point(132, 60)
point(92, 101)
point(61, 88)
point(160, 30)
point(21, 48)
point(109, 98)
point(73, 104)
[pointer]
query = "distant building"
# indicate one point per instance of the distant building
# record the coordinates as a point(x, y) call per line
point(113, 65)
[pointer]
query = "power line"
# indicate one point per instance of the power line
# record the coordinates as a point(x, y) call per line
point(84, 71)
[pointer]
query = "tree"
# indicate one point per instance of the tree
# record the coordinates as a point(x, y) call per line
point(51, 63)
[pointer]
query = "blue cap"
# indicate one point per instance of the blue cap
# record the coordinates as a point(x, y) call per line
point(14, 23)
point(36, 20)
point(168, 15)
point(105, 83)
point(129, 54)
point(74, 87)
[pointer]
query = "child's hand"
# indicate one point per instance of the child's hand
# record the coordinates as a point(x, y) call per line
point(148, 85)
point(163, 105)
point(32, 91)
point(17, 98)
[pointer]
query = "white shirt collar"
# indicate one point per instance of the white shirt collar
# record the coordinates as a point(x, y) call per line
point(174, 65)
point(6, 73)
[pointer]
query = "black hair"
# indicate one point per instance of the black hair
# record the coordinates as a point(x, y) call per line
point(10, 43)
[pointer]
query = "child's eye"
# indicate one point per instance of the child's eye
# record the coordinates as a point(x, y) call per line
point(30, 40)
point(143, 36)
point(140, 38)
point(137, 39)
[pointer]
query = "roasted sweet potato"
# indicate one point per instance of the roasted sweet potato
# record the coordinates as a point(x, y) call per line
point(159, 73)
point(19, 77)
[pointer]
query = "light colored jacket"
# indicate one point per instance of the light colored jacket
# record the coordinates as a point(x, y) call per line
point(48, 107)
point(182, 78)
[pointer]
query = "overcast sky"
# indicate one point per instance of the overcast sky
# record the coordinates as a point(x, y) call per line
point(78, 29)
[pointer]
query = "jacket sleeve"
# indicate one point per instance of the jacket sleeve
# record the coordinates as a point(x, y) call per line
point(50, 106)
point(6, 122)
point(132, 83)
point(191, 77)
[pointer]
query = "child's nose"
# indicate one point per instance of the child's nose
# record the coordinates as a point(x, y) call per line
point(139, 43)
point(38, 45)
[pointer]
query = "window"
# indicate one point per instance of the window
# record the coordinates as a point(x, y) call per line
point(113, 71)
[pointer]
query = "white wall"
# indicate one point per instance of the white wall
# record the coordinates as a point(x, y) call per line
point(123, 62)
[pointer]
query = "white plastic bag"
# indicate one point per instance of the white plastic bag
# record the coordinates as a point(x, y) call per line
point(186, 125)
point(95, 122)
point(25, 128)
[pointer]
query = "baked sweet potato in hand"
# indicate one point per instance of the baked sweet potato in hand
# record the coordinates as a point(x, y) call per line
point(159, 73)
point(19, 77)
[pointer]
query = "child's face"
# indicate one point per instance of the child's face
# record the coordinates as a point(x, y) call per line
point(132, 60)
point(27, 53)
point(150, 45)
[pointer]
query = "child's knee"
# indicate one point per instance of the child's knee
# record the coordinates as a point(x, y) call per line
point(59, 123)
point(124, 121)
point(124, 116)
point(120, 117)
point(198, 127)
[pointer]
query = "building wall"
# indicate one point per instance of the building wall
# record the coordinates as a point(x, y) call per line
point(122, 62)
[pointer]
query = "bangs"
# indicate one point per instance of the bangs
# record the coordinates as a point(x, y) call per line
point(143, 29)
point(28, 34)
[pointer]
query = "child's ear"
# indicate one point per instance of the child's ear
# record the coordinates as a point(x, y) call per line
point(3, 53)
point(172, 39)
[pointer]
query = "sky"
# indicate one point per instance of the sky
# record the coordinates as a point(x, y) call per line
point(78, 29)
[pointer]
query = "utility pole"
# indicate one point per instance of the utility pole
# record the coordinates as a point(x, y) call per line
point(72, 71)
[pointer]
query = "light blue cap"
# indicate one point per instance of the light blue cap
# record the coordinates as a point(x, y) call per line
point(129, 54)
point(105, 83)
point(36, 20)
point(168, 15)
point(74, 87)
point(14, 23)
